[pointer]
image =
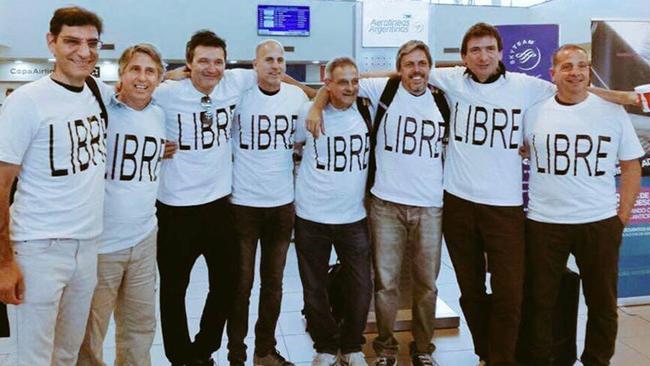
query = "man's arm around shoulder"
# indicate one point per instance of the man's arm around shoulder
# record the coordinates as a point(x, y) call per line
point(11, 278)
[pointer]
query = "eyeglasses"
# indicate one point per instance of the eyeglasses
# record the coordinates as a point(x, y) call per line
point(206, 116)
point(75, 43)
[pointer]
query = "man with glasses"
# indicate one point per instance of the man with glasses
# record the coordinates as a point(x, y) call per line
point(262, 197)
point(194, 213)
point(53, 140)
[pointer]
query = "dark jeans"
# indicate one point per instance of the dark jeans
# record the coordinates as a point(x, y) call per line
point(184, 234)
point(472, 231)
point(314, 243)
point(272, 227)
point(596, 249)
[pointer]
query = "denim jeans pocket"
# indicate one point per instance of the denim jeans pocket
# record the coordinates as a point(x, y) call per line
point(32, 247)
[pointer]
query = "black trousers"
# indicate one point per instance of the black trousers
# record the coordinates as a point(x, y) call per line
point(4, 321)
point(595, 246)
point(473, 231)
point(272, 227)
point(314, 242)
point(184, 234)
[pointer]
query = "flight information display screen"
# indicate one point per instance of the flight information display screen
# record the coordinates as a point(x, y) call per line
point(282, 20)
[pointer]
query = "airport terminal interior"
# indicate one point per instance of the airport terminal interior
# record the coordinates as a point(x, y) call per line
point(616, 33)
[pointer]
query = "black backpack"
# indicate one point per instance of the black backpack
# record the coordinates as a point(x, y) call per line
point(385, 100)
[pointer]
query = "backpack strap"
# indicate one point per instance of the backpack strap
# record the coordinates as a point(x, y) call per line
point(362, 107)
point(443, 106)
point(92, 84)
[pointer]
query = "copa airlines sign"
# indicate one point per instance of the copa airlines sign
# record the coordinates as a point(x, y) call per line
point(389, 24)
point(29, 71)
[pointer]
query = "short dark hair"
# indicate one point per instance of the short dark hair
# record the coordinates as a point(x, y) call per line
point(74, 16)
point(567, 47)
point(480, 30)
point(205, 38)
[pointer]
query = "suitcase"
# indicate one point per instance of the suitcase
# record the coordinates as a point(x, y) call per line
point(565, 324)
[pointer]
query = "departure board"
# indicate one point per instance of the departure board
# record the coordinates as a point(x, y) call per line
point(282, 20)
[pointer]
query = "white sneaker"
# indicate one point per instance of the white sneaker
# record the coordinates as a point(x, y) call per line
point(324, 359)
point(353, 359)
point(482, 363)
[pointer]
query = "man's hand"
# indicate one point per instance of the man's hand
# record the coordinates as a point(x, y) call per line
point(12, 286)
point(524, 151)
point(315, 121)
point(178, 73)
point(170, 149)
point(629, 188)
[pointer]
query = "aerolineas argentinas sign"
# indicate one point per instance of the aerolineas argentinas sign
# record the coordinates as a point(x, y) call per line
point(389, 24)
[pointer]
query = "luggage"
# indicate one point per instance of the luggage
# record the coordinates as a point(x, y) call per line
point(565, 323)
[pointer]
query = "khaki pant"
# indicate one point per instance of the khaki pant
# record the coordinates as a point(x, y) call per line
point(126, 282)
point(60, 275)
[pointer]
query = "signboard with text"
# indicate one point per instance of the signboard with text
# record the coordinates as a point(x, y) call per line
point(528, 48)
point(389, 24)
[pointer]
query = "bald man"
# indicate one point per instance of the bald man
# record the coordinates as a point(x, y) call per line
point(262, 199)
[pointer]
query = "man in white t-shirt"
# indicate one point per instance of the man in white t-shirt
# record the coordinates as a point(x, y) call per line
point(194, 215)
point(576, 138)
point(126, 267)
point(330, 212)
point(53, 140)
point(406, 202)
point(262, 200)
point(483, 215)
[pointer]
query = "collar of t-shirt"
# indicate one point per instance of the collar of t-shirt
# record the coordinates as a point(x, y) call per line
point(557, 99)
point(72, 88)
point(501, 71)
point(269, 93)
point(115, 102)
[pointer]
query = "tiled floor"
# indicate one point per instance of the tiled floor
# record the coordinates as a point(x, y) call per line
point(454, 347)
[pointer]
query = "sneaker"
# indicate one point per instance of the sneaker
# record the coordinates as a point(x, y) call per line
point(386, 361)
point(423, 359)
point(353, 359)
point(482, 363)
point(273, 358)
point(324, 359)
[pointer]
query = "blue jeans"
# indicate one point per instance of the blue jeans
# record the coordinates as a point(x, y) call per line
point(395, 227)
point(314, 243)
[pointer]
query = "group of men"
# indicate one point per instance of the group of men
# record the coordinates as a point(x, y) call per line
point(97, 207)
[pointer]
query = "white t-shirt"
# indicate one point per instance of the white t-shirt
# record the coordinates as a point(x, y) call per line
point(263, 136)
point(57, 136)
point(486, 125)
point(409, 147)
point(574, 150)
point(135, 144)
point(331, 181)
point(201, 170)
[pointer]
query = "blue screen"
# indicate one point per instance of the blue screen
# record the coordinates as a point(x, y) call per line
point(279, 20)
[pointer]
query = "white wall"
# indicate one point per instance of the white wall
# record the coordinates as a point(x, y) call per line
point(170, 23)
point(574, 16)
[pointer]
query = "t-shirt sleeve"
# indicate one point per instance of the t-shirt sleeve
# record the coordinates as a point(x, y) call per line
point(301, 128)
point(243, 79)
point(163, 91)
point(537, 89)
point(372, 88)
point(444, 77)
point(630, 147)
point(106, 90)
point(19, 124)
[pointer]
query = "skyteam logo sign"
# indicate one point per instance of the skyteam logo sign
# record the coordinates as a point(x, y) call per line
point(524, 55)
point(389, 24)
point(528, 48)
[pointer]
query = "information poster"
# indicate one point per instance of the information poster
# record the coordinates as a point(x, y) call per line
point(621, 61)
